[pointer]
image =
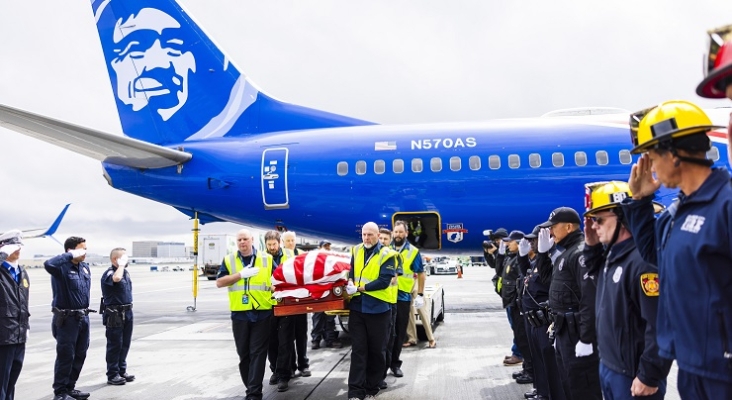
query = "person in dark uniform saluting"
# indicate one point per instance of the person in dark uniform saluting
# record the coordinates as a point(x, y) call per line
point(627, 299)
point(117, 317)
point(71, 284)
point(14, 327)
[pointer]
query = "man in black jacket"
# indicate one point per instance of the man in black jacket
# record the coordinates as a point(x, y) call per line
point(627, 300)
point(14, 327)
point(580, 376)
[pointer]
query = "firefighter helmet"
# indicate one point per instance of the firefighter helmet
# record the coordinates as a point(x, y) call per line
point(717, 64)
point(604, 196)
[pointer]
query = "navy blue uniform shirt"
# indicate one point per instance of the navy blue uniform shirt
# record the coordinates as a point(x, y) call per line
point(369, 304)
point(71, 283)
point(251, 315)
point(116, 293)
point(691, 242)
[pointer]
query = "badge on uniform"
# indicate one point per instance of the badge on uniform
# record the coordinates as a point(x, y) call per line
point(86, 270)
point(25, 283)
point(649, 284)
point(245, 299)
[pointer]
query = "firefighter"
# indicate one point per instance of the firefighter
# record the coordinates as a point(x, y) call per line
point(717, 82)
point(690, 242)
point(627, 299)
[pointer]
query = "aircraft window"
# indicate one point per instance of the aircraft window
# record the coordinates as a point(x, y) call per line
point(558, 159)
point(398, 166)
point(379, 167)
point(534, 160)
point(360, 167)
point(416, 165)
point(455, 163)
point(342, 168)
point(601, 157)
point(474, 162)
point(713, 154)
point(436, 164)
point(580, 158)
point(494, 162)
point(514, 161)
point(625, 157)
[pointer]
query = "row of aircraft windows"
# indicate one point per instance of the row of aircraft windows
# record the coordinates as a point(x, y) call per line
point(494, 162)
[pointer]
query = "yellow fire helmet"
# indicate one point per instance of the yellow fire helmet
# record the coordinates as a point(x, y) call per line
point(602, 196)
point(668, 120)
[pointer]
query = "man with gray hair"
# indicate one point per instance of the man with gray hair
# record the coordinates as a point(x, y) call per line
point(300, 361)
point(14, 284)
point(117, 316)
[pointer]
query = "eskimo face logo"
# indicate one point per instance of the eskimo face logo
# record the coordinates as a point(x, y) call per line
point(150, 62)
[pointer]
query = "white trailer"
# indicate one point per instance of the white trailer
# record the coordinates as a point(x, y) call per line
point(212, 250)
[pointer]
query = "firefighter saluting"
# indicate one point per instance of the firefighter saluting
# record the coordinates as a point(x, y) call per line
point(626, 302)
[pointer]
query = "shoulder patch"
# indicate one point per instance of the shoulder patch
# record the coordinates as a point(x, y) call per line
point(109, 272)
point(581, 261)
point(649, 284)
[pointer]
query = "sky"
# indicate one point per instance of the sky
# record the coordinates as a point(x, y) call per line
point(383, 61)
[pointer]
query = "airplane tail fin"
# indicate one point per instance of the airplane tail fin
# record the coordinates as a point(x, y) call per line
point(51, 229)
point(172, 83)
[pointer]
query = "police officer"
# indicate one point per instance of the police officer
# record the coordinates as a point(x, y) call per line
point(117, 316)
point(690, 242)
point(580, 377)
point(717, 83)
point(247, 275)
point(627, 299)
point(372, 268)
point(71, 284)
point(14, 288)
point(282, 329)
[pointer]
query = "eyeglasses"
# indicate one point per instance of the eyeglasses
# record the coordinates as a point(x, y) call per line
point(601, 220)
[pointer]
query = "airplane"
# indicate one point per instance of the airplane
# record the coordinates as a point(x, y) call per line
point(46, 232)
point(203, 138)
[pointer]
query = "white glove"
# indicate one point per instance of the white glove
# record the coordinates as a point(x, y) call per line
point(351, 288)
point(545, 240)
point(248, 272)
point(419, 302)
point(77, 253)
point(122, 261)
point(502, 248)
point(524, 247)
point(582, 349)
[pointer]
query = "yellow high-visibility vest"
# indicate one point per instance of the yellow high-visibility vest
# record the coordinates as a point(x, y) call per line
point(253, 293)
point(406, 280)
point(364, 272)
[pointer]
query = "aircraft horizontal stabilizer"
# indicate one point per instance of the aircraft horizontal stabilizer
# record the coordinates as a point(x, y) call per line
point(105, 147)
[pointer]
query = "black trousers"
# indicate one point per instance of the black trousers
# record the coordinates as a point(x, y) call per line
point(72, 342)
point(281, 346)
point(369, 335)
point(392, 338)
point(11, 362)
point(403, 308)
point(546, 376)
point(118, 346)
point(251, 339)
point(324, 328)
point(580, 376)
point(521, 338)
point(300, 359)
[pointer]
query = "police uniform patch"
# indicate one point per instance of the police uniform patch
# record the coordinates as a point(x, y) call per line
point(508, 268)
point(561, 264)
point(86, 270)
point(581, 261)
point(25, 283)
point(618, 273)
point(649, 284)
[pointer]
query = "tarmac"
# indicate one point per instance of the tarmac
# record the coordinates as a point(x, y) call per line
point(177, 354)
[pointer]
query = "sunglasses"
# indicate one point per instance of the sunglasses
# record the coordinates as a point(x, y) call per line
point(601, 220)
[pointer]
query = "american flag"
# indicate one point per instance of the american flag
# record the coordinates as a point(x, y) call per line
point(385, 146)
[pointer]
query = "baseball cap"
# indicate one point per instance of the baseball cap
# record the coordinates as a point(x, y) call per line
point(514, 235)
point(323, 243)
point(562, 215)
point(534, 234)
point(500, 233)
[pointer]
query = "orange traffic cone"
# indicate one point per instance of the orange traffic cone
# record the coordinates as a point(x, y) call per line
point(460, 272)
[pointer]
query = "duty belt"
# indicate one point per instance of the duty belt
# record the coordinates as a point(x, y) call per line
point(65, 312)
point(120, 307)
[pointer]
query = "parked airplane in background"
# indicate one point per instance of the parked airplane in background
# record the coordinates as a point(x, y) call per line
point(47, 232)
point(201, 137)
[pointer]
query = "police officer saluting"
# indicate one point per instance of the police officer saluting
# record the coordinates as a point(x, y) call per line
point(117, 316)
point(627, 300)
point(691, 242)
point(14, 327)
point(580, 376)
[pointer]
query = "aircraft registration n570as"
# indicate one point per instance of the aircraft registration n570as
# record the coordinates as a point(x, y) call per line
point(201, 137)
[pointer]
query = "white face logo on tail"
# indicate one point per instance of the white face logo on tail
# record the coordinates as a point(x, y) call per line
point(150, 64)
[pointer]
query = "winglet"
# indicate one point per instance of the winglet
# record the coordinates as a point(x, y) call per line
point(51, 229)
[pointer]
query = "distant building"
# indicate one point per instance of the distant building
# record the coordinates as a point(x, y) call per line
point(146, 248)
point(171, 250)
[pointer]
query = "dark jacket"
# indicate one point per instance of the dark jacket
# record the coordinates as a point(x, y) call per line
point(14, 312)
point(71, 283)
point(691, 242)
point(509, 273)
point(627, 301)
point(564, 291)
point(535, 291)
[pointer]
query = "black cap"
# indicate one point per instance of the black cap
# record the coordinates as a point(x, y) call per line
point(562, 215)
point(323, 243)
point(515, 235)
point(534, 234)
point(500, 233)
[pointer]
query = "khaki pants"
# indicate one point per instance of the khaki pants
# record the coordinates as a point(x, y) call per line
point(412, 326)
